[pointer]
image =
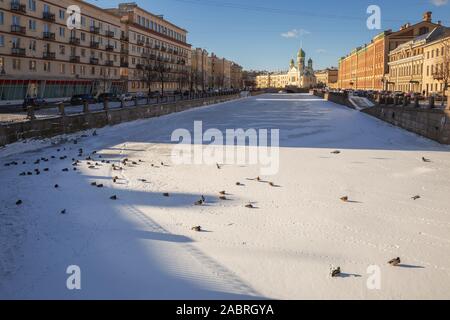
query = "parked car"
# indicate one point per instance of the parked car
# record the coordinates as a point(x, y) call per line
point(140, 95)
point(78, 99)
point(126, 97)
point(35, 102)
point(103, 96)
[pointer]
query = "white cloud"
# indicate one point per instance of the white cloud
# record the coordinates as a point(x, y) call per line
point(321, 51)
point(295, 33)
point(439, 3)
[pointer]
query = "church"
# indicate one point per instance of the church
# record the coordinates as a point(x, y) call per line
point(300, 75)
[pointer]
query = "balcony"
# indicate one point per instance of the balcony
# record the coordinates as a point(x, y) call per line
point(139, 66)
point(74, 41)
point(48, 36)
point(109, 47)
point(140, 42)
point(18, 29)
point(48, 16)
point(75, 59)
point(17, 7)
point(109, 63)
point(156, 47)
point(109, 34)
point(124, 64)
point(94, 44)
point(18, 52)
point(49, 55)
point(93, 61)
point(163, 48)
point(124, 51)
point(95, 30)
point(439, 76)
point(124, 38)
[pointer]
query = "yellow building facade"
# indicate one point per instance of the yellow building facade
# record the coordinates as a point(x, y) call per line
point(40, 55)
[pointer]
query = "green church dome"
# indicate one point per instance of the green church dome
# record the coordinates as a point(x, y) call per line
point(301, 53)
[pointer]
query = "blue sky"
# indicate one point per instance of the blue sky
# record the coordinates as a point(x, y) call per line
point(263, 34)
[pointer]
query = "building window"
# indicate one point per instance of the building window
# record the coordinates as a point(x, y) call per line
point(83, 36)
point(32, 46)
point(16, 64)
point(2, 17)
point(62, 32)
point(62, 68)
point(61, 14)
point(32, 25)
point(2, 40)
point(32, 65)
point(47, 66)
point(32, 5)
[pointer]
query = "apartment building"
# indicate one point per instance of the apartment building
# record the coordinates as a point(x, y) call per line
point(436, 62)
point(41, 56)
point(220, 73)
point(200, 69)
point(327, 77)
point(150, 42)
point(212, 72)
point(236, 76)
point(366, 67)
point(44, 54)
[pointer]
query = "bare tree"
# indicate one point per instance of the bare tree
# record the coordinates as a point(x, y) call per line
point(161, 71)
point(443, 72)
point(148, 74)
point(183, 79)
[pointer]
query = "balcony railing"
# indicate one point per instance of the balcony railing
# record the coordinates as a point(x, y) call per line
point(48, 16)
point(49, 55)
point(75, 59)
point(139, 66)
point(18, 51)
point(124, 38)
point(17, 7)
point(109, 47)
point(95, 30)
point(124, 64)
point(439, 75)
point(93, 61)
point(140, 42)
point(109, 63)
point(124, 51)
point(18, 29)
point(94, 45)
point(109, 34)
point(48, 36)
point(74, 41)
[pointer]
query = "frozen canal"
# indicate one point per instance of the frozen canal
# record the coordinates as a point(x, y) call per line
point(142, 245)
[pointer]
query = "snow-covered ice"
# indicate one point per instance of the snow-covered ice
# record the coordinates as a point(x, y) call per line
point(142, 246)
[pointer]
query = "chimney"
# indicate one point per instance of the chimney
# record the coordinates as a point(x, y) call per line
point(427, 16)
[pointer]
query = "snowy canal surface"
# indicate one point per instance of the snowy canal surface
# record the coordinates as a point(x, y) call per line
point(142, 245)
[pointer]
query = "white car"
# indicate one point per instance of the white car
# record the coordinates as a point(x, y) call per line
point(126, 97)
point(140, 95)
